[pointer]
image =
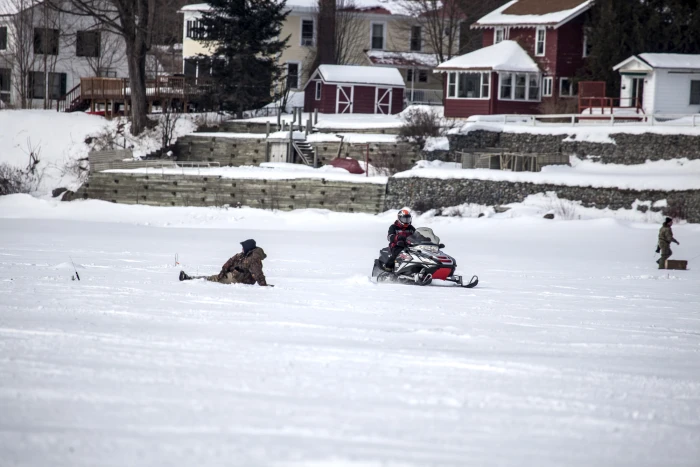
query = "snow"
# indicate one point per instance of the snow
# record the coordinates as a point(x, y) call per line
point(437, 143)
point(577, 352)
point(351, 74)
point(670, 175)
point(385, 57)
point(340, 121)
point(504, 56)
point(57, 138)
point(674, 61)
point(555, 18)
point(266, 171)
point(593, 131)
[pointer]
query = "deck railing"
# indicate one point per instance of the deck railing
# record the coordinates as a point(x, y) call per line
point(170, 87)
point(608, 105)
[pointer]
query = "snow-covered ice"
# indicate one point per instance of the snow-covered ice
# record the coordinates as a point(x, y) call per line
point(573, 350)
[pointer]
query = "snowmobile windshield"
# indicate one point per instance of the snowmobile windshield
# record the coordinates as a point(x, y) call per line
point(424, 236)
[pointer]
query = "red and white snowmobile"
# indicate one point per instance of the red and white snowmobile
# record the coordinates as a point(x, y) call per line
point(420, 262)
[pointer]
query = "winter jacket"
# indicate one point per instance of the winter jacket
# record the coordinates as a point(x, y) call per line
point(397, 233)
point(665, 237)
point(246, 267)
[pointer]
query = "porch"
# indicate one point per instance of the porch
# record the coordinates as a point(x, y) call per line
point(114, 94)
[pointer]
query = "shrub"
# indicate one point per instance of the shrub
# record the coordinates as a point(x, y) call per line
point(420, 124)
point(14, 180)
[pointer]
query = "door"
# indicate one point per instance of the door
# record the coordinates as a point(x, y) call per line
point(637, 93)
point(382, 101)
point(343, 101)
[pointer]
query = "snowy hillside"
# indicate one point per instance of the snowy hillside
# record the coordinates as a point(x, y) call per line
point(572, 351)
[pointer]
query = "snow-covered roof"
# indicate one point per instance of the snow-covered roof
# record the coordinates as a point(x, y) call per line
point(534, 12)
point(647, 62)
point(504, 56)
point(387, 7)
point(402, 59)
point(349, 74)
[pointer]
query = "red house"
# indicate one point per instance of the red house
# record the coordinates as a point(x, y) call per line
point(551, 33)
point(339, 89)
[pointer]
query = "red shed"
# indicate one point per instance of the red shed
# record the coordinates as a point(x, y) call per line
point(340, 89)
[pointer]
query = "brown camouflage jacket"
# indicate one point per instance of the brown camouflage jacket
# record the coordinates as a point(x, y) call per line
point(246, 267)
point(665, 236)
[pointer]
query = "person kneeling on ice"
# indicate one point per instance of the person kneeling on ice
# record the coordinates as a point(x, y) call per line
point(399, 231)
point(243, 268)
point(665, 239)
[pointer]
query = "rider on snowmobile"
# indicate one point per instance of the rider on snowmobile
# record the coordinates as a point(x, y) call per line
point(398, 232)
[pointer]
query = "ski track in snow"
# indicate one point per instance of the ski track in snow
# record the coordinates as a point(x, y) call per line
point(572, 351)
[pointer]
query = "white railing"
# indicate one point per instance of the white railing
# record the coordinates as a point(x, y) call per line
point(423, 96)
point(686, 120)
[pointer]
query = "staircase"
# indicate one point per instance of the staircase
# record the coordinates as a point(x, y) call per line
point(72, 101)
point(305, 152)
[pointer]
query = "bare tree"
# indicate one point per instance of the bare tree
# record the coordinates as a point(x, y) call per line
point(440, 22)
point(348, 35)
point(472, 39)
point(110, 53)
point(134, 21)
point(19, 56)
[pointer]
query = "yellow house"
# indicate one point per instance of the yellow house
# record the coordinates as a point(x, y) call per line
point(371, 32)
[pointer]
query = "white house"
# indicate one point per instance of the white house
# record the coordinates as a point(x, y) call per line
point(44, 53)
point(661, 83)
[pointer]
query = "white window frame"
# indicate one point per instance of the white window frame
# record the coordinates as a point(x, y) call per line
point(543, 30)
point(298, 63)
point(502, 30)
point(319, 87)
point(561, 81)
point(301, 32)
point(420, 38)
point(512, 87)
point(547, 84)
point(384, 31)
point(585, 42)
point(453, 80)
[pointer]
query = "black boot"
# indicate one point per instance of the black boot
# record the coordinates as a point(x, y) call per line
point(184, 277)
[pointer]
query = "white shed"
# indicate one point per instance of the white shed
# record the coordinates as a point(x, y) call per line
point(661, 83)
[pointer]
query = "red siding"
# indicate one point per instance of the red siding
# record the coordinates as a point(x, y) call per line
point(570, 48)
point(463, 108)
point(328, 97)
point(397, 100)
point(310, 102)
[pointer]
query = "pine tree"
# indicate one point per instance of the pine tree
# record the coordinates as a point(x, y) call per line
point(245, 38)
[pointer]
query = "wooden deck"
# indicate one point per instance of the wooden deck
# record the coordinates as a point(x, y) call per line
point(115, 93)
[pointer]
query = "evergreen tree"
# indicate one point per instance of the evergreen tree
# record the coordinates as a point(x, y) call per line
point(245, 38)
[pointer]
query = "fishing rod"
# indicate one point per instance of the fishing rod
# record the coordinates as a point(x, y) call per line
point(74, 268)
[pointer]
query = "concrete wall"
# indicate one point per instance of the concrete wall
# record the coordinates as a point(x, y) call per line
point(423, 194)
point(178, 190)
point(628, 148)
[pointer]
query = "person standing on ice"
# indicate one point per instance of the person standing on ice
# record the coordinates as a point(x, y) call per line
point(399, 231)
point(243, 268)
point(665, 239)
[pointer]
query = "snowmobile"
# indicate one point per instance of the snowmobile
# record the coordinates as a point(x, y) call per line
point(419, 263)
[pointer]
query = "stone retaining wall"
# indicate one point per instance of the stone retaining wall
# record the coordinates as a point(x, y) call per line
point(400, 156)
point(225, 151)
point(628, 148)
point(423, 194)
point(179, 190)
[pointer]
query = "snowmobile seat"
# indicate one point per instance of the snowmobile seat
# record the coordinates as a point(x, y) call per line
point(384, 255)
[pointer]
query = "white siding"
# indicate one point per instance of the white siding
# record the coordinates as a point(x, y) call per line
point(650, 93)
point(673, 92)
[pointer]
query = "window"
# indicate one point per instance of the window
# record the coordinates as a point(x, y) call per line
point(547, 86)
point(586, 42)
point(520, 86)
point(695, 92)
point(416, 40)
point(499, 34)
point(37, 85)
point(307, 32)
point(377, 36)
point(566, 87)
point(468, 85)
point(540, 42)
point(195, 30)
point(319, 86)
point(3, 38)
point(107, 73)
point(292, 75)
point(45, 41)
point(5, 76)
point(422, 76)
point(88, 44)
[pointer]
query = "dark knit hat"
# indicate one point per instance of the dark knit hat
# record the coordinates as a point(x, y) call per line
point(668, 220)
point(248, 245)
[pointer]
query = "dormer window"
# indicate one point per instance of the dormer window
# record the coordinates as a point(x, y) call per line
point(499, 35)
